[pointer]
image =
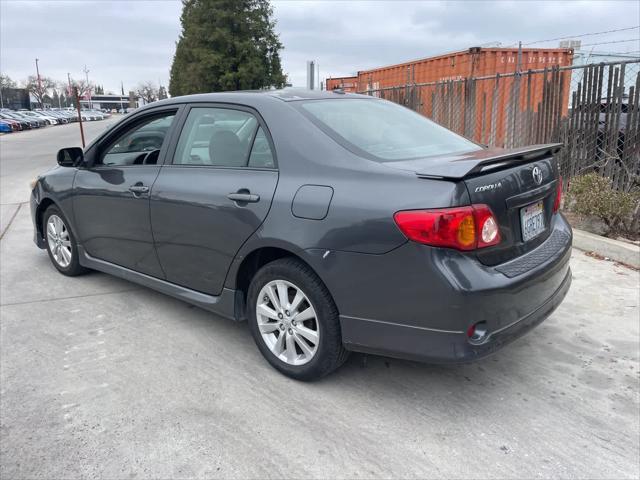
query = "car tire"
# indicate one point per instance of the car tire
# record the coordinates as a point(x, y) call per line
point(61, 243)
point(291, 354)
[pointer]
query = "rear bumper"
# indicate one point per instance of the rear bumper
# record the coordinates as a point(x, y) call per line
point(432, 346)
point(417, 302)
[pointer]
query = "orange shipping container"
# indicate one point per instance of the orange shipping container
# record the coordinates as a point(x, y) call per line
point(475, 62)
point(348, 84)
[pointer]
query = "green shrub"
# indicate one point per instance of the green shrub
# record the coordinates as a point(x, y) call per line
point(593, 195)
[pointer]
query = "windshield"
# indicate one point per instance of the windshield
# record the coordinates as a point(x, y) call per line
point(384, 130)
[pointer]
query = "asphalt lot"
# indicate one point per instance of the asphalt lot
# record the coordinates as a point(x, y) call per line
point(102, 378)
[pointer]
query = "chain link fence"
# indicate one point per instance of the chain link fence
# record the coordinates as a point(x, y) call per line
point(594, 110)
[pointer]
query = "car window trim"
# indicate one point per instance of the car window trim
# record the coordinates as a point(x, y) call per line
point(110, 136)
point(179, 126)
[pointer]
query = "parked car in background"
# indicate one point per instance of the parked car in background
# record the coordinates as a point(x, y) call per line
point(31, 113)
point(6, 115)
point(15, 124)
point(52, 114)
point(330, 222)
point(6, 127)
point(35, 122)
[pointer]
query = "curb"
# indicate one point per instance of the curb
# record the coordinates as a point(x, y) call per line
point(613, 249)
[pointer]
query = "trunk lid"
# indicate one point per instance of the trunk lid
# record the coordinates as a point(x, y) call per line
point(505, 181)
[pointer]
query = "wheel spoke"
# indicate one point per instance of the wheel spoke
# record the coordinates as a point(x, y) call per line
point(269, 327)
point(306, 350)
point(306, 314)
point(273, 297)
point(66, 243)
point(51, 229)
point(307, 333)
point(267, 312)
point(291, 349)
point(66, 254)
point(283, 295)
point(296, 301)
point(279, 346)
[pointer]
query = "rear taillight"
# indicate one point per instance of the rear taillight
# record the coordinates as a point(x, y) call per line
point(558, 200)
point(462, 228)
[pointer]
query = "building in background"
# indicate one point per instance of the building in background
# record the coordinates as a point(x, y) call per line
point(109, 102)
point(313, 76)
point(15, 98)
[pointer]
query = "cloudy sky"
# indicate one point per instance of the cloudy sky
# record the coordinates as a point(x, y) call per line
point(134, 41)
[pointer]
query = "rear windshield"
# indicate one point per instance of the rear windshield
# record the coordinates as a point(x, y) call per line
point(384, 130)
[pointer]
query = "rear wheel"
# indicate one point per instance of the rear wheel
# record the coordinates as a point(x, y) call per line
point(294, 320)
point(61, 244)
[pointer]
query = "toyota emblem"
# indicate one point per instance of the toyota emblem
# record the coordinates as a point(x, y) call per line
point(537, 175)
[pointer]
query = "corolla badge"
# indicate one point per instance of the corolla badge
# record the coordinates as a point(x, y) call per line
point(537, 175)
point(491, 186)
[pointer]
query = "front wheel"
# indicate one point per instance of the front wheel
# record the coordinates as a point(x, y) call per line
point(61, 244)
point(294, 320)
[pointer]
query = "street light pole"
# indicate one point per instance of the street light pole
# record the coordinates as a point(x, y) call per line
point(86, 72)
point(39, 84)
point(70, 88)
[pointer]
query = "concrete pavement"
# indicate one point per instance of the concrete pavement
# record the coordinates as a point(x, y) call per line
point(102, 378)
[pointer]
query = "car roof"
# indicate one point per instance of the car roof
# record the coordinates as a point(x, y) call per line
point(250, 97)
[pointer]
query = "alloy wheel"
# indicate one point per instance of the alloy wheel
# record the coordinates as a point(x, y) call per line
point(59, 241)
point(287, 322)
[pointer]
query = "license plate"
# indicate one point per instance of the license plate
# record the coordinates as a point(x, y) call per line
point(532, 220)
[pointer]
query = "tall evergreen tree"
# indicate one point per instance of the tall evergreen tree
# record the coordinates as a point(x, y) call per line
point(226, 45)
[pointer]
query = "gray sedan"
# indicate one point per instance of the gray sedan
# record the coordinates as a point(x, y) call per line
point(330, 222)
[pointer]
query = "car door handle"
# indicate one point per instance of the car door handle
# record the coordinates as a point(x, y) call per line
point(138, 189)
point(244, 197)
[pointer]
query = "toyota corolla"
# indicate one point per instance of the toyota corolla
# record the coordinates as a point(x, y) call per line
point(330, 222)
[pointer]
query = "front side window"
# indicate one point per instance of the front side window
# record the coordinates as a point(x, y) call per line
point(222, 137)
point(384, 130)
point(141, 144)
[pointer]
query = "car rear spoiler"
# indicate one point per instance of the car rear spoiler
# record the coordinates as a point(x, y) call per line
point(482, 161)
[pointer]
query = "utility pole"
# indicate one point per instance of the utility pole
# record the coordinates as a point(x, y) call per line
point(39, 84)
point(86, 73)
point(77, 99)
point(70, 87)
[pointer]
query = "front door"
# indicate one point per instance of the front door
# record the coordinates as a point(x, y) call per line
point(212, 196)
point(111, 201)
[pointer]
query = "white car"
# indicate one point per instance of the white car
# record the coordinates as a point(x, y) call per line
point(50, 120)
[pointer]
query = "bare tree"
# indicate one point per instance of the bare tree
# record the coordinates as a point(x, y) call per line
point(39, 88)
point(148, 91)
point(6, 81)
point(83, 87)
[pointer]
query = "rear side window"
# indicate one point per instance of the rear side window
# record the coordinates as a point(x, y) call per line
point(382, 130)
point(261, 155)
point(224, 138)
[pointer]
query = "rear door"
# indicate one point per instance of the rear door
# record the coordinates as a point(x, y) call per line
point(213, 192)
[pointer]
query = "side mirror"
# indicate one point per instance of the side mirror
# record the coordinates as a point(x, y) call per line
point(70, 157)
